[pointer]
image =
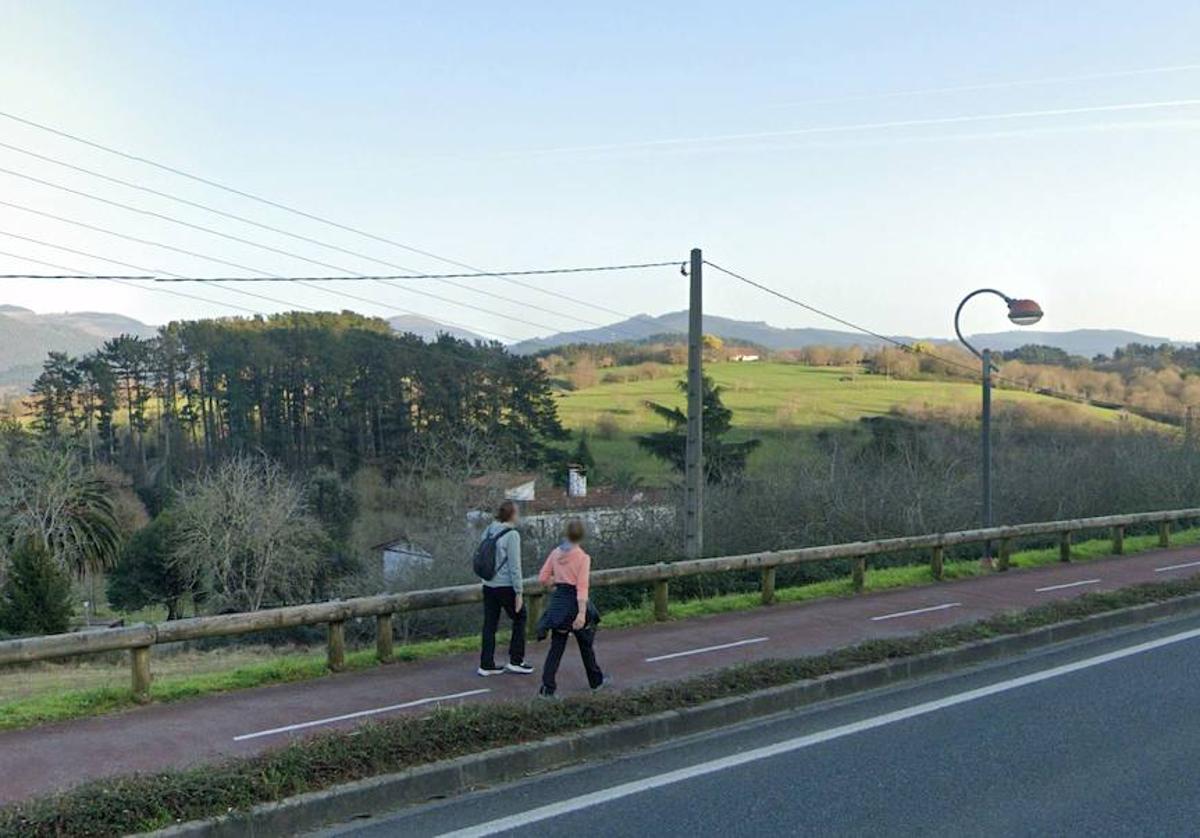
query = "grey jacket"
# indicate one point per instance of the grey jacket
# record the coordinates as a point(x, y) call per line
point(508, 559)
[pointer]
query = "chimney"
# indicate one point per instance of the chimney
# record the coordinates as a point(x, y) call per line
point(576, 481)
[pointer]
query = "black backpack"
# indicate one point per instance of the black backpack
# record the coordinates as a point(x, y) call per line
point(485, 556)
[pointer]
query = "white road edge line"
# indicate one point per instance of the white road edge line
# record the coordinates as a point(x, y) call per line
point(1176, 566)
point(707, 649)
point(360, 714)
point(1065, 585)
point(596, 798)
point(941, 607)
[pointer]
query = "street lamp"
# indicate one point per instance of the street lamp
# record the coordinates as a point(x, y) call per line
point(1023, 313)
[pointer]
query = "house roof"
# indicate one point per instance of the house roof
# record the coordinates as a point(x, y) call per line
point(501, 480)
point(597, 498)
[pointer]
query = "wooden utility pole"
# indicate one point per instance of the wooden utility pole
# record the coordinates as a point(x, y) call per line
point(694, 474)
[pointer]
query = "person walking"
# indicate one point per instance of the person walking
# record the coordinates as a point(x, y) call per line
point(502, 591)
point(569, 610)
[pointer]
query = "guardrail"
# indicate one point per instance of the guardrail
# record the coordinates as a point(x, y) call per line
point(139, 639)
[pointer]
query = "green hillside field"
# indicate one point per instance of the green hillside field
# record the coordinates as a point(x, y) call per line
point(774, 401)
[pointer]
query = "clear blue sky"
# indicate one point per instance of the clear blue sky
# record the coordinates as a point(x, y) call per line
point(529, 135)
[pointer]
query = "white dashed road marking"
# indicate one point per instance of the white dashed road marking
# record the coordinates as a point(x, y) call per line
point(707, 649)
point(941, 607)
point(1176, 567)
point(1066, 585)
point(360, 714)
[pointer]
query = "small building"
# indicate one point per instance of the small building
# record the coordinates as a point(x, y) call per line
point(399, 557)
point(602, 509)
point(506, 485)
point(744, 359)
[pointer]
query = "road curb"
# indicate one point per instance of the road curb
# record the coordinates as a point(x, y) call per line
point(362, 798)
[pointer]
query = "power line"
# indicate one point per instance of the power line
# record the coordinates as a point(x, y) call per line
point(294, 211)
point(120, 281)
point(385, 280)
point(88, 255)
point(241, 267)
point(356, 277)
point(484, 365)
point(411, 273)
point(240, 240)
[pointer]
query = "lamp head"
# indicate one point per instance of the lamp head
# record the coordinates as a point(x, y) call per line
point(1024, 312)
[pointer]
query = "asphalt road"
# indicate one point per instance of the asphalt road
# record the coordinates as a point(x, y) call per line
point(1101, 737)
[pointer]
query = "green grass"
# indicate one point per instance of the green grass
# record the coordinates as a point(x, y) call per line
point(121, 805)
point(773, 401)
point(64, 704)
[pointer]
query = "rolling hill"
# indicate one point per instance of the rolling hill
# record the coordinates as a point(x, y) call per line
point(26, 338)
point(428, 329)
point(774, 401)
point(1085, 342)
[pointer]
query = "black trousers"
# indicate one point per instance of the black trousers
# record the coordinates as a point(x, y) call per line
point(496, 600)
point(586, 638)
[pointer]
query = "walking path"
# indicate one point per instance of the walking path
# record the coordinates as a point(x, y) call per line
point(57, 756)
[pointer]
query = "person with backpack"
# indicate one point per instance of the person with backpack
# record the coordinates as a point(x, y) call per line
point(498, 564)
point(569, 610)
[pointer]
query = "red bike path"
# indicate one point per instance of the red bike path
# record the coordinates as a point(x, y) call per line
point(57, 756)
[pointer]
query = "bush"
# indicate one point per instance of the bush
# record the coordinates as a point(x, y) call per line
point(607, 427)
point(36, 598)
point(145, 574)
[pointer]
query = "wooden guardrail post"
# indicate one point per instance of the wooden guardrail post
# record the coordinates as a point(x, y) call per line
point(533, 604)
point(139, 658)
point(858, 576)
point(660, 600)
point(937, 563)
point(1164, 534)
point(768, 585)
point(336, 658)
point(1005, 554)
point(1118, 540)
point(1064, 547)
point(384, 639)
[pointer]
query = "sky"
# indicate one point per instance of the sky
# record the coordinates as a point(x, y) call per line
point(876, 160)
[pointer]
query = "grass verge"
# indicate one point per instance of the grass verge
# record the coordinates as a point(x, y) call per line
point(142, 802)
point(64, 704)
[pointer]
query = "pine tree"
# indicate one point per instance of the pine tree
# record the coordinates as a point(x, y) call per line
point(36, 597)
point(583, 454)
point(722, 460)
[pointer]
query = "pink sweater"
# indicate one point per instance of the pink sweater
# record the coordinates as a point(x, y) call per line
point(567, 567)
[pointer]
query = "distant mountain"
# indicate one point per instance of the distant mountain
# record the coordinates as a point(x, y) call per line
point(1085, 342)
point(26, 338)
point(756, 332)
point(428, 329)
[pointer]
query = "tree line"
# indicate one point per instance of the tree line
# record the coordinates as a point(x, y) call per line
point(320, 389)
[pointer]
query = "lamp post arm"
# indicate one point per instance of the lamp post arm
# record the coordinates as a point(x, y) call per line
point(958, 312)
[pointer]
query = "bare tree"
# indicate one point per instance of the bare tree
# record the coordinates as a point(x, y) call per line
point(246, 535)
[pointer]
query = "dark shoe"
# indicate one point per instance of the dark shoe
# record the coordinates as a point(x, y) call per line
point(485, 672)
point(519, 669)
point(605, 684)
point(547, 695)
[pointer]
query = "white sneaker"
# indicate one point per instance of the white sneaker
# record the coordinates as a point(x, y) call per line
point(519, 668)
point(484, 673)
